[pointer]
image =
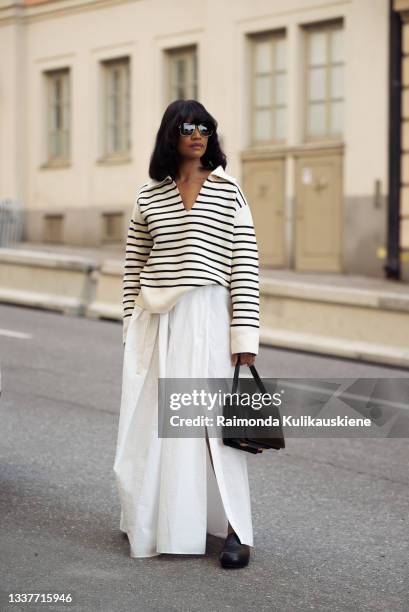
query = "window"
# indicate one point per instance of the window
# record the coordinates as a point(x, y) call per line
point(53, 228)
point(269, 89)
point(324, 70)
point(117, 128)
point(112, 227)
point(183, 74)
point(58, 115)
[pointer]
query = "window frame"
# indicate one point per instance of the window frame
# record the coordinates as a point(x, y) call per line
point(190, 54)
point(328, 27)
point(63, 156)
point(272, 37)
point(123, 64)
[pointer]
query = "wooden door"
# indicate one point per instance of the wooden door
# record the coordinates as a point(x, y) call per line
point(318, 212)
point(263, 185)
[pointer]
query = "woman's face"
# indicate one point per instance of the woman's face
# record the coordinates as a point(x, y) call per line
point(192, 147)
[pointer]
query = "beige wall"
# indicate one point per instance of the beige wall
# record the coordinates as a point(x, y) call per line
point(79, 33)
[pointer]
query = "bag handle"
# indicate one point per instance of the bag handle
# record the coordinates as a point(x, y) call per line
point(254, 373)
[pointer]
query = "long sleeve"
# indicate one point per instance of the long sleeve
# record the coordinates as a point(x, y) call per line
point(138, 246)
point(244, 281)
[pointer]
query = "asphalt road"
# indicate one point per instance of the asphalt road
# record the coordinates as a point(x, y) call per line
point(330, 516)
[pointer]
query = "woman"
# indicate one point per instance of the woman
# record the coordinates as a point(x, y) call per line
point(191, 309)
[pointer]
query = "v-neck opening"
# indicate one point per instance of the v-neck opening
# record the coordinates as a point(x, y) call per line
point(189, 210)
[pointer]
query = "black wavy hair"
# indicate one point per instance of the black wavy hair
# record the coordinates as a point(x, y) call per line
point(165, 157)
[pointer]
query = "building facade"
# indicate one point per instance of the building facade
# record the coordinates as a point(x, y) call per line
point(300, 90)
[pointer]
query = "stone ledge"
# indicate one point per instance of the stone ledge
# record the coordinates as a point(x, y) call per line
point(46, 260)
point(373, 298)
point(47, 301)
point(339, 347)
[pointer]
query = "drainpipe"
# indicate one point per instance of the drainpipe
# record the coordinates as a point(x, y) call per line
point(392, 266)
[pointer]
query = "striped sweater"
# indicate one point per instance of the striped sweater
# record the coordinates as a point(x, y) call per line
point(171, 250)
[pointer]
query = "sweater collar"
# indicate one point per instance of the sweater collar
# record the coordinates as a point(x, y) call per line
point(219, 171)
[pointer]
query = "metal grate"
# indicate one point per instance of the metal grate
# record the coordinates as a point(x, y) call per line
point(11, 222)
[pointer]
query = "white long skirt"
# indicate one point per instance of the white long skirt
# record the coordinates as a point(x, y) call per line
point(170, 497)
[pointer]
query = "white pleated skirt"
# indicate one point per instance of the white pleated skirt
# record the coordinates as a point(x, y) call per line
point(170, 496)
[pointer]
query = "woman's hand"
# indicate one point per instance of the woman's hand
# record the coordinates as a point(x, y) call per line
point(245, 358)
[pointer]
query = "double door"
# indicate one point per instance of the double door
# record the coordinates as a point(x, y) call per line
point(304, 232)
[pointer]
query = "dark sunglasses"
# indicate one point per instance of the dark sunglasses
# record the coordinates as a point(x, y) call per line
point(187, 129)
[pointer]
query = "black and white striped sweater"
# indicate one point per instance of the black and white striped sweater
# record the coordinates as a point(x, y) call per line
point(171, 250)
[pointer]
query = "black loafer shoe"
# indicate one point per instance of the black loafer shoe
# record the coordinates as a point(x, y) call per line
point(234, 553)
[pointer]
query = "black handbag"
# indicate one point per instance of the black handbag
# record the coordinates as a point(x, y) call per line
point(252, 439)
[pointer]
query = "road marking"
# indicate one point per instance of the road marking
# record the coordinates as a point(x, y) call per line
point(341, 394)
point(15, 334)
